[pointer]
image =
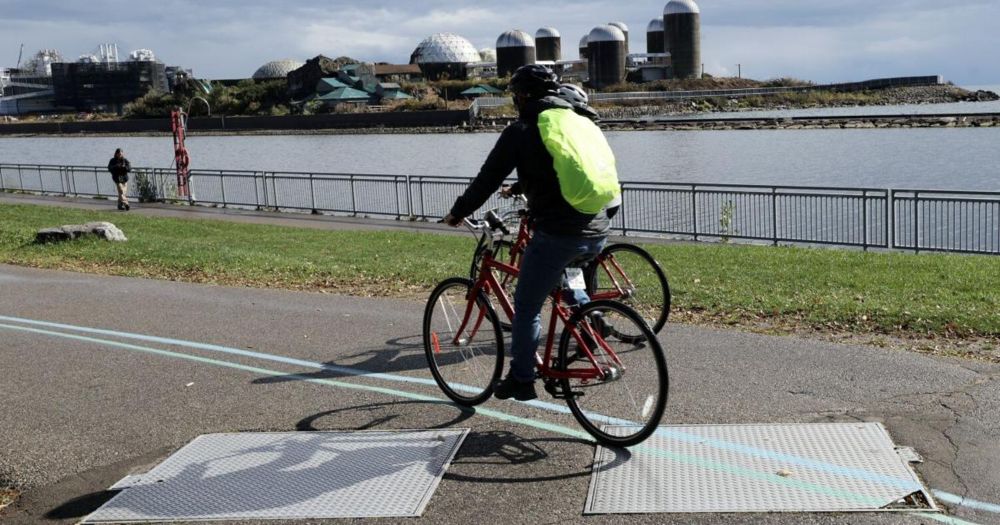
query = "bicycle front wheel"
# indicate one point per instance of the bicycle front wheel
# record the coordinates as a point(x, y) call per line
point(464, 360)
point(627, 273)
point(625, 406)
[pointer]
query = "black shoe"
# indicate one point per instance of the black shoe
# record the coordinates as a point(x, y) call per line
point(120, 206)
point(127, 207)
point(509, 387)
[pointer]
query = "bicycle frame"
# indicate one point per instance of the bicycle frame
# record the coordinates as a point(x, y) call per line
point(487, 283)
point(621, 289)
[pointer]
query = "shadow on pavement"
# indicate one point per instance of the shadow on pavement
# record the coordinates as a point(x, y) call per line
point(381, 415)
point(404, 354)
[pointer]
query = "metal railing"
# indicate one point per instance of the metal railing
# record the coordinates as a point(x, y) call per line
point(866, 218)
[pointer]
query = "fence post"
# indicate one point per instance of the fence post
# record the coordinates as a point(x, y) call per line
point(97, 185)
point(423, 209)
point(256, 191)
point(916, 221)
point(3, 187)
point(694, 210)
point(222, 184)
point(395, 193)
point(354, 198)
point(409, 197)
point(890, 219)
point(864, 219)
point(774, 215)
point(312, 193)
point(623, 211)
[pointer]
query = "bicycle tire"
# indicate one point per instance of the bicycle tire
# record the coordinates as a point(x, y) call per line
point(626, 408)
point(465, 371)
point(649, 292)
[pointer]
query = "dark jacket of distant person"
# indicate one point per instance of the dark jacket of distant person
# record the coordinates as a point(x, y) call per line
point(119, 168)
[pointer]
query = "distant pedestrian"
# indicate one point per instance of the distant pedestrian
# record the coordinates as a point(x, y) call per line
point(120, 167)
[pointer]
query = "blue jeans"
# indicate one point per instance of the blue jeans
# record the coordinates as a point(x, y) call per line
point(542, 270)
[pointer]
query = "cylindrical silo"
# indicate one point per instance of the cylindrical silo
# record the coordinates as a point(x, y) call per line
point(514, 49)
point(548, 44)
point(656, 39)
point(584, 47)
point(606, 50)
point(624, 28)
point(682, 24)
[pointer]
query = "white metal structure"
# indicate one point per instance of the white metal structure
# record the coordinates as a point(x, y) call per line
point(277, 69)
point(681, 7)
point(446, 48)
point(515, 38)
point(142, 55)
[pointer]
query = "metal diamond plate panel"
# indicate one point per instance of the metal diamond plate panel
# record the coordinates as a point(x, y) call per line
point(754, 468)
point(296, 475)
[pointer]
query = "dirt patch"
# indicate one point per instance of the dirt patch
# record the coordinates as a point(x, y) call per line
point(7, 496)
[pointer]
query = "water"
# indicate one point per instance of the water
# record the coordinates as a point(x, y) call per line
point(932, 158)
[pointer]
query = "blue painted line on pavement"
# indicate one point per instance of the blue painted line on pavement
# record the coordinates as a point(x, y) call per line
point(836, 469)
point(957, 500)
point(903, 483)
point(701, 462)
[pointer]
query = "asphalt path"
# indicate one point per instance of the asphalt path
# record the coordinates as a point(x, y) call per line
point(107, 376)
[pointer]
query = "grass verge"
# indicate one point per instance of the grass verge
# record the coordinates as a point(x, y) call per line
point(940, 302)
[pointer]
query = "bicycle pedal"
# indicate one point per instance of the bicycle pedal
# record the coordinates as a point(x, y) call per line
point(554, 388)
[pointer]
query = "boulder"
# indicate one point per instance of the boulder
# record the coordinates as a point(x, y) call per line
point(104, 230)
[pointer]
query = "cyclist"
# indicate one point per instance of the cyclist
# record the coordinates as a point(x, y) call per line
point(563, 234)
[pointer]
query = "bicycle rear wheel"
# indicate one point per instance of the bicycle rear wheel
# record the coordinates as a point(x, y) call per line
point(465, 365)
point(625, 407)
point(627, 273)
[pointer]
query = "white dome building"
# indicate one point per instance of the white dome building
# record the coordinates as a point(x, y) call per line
point(444, 55)
point(277, 69)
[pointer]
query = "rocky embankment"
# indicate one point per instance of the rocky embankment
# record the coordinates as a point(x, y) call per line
point(795, 100)
point(869, 122)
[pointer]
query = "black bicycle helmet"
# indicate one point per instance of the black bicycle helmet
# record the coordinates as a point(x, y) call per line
point(534, 80)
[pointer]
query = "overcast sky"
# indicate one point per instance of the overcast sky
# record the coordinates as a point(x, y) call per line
point(810, 39)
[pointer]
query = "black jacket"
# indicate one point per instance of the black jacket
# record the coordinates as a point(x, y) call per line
point(520, 147)
point(119, 169)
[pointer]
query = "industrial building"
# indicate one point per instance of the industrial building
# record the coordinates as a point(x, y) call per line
point(606, 56)
point(277, 69)
point(515, 49)
point(444, 56)
point(624, 30)
point(682, 26)
point(94, 82)
point(548, 45)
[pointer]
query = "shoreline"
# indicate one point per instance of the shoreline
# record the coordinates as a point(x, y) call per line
point(670, 123)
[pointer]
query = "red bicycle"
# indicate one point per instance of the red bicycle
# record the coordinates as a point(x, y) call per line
point(622, 272)
point(616, 387)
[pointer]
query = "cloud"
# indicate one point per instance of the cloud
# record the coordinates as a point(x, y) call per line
point(823, 41)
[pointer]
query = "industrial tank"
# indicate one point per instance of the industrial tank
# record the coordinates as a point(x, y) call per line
point(624, 29)
point(682, 21)
point(584, 47)
point(656, 38)
point(548, 44)
point(515, 48)
point(606, 49)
